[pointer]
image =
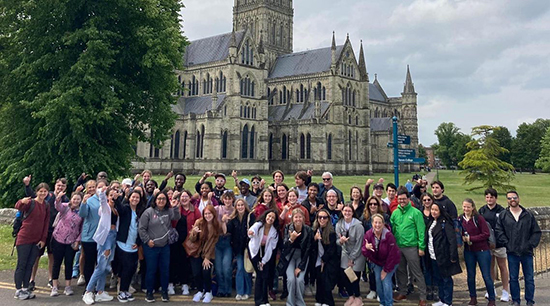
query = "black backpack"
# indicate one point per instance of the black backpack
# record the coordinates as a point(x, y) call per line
point(18, 221)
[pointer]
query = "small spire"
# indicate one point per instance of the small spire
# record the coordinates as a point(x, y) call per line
point(233, 41)
point(347, 37)
point(333, 41)
point(363, 64)
point(376, 77)
point(409, 85)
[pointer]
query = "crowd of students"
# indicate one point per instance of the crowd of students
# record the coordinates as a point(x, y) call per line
point(308, 235)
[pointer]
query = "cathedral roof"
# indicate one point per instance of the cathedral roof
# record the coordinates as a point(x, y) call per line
point(195, 105)
point(294, 111)
point(306, 62)
point(380, 124)
point(375, 93)
point(210, 49)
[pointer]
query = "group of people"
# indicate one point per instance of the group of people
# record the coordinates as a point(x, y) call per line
point(306, 234)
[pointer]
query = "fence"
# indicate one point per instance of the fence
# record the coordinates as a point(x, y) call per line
point(541, 261)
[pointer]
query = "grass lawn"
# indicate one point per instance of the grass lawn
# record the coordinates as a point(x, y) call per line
point(8, 262)
point(529, 186)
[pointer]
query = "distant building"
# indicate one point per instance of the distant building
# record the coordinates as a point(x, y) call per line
point(249, 103)
point(430, 157)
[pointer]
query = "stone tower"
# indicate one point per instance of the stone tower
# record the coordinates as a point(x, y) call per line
point(409, 118)
point(271, 20)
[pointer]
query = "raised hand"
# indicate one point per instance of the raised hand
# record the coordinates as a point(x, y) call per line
point(369, 182)
point(169, 175)
point(60, 195)
point(27, 180)
point(79, 188)
point(294, 235)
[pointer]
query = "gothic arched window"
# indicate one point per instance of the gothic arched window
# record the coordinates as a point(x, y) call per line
point(284, 147)
point(270, 147)
point(224, 145)
point(302, 146)
point(244, 142)
point(176, 153)
point(329, 147)
point(308, 146)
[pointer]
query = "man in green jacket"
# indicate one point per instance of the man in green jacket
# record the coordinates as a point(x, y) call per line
point(409, 230)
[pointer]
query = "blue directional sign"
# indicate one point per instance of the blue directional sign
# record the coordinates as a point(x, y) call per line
point(404, 139)
point(420, 160)
point(406, 153)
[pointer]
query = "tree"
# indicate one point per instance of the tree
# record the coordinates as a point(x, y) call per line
point(543, 162)
point(527, 144)
point(451, 144)
point(422, 153)
point(81, 83)
point(481, 163)
point(504, 138)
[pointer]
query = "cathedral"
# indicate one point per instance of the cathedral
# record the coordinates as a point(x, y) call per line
point(248, 102)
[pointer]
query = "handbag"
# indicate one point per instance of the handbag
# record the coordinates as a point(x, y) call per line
point(350, 274)
point(173, 236)
point(191, 247)
point(248, 267)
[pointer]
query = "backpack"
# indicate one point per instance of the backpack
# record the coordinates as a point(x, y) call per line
point(491, 240)
point(19, 218)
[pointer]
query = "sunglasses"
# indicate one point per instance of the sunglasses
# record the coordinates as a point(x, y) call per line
point(426, 200)
point(512, 198)
point(255, 182)
point(322, 217)
point(373, 204)
point(326, 179)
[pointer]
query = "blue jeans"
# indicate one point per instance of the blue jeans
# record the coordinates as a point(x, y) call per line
point(243, 279)
point(483, 258)
point(431, 278)
point(97, 281)
point(384, 288)
point(76, 265)
point(157, 258)
point(223, 264)
point(528, 275)
point(445, 285)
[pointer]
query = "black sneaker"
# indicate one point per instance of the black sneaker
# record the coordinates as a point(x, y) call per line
point(32, 286)
point(150, 298)
point(122, 297)
point(165, 297)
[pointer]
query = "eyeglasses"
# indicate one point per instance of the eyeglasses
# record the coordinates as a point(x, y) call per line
point(427, 200)
point(373, 204)
point(255, 182)
point(512, 198)
point(326, 179)
point(161, 199)
point(322, 217)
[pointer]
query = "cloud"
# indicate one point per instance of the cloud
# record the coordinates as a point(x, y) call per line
point(473, 62)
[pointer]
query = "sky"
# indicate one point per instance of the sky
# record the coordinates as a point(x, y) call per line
point(473, 62)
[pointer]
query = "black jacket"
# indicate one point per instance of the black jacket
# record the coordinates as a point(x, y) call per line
point(125, 219)
point(305, 244)
point(307, 205)
point(491, 215)
point(239, 232)
point(521, 237)
point(445, 247)
point(331, 258)
point(449, 206)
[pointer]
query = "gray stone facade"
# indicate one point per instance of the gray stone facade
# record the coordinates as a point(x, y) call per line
point(249, 103)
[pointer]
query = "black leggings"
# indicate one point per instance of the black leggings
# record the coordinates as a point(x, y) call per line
point(90, 259)
point(62, 253)
point(127, 265)
point(26, 256)
point(323, 295)
point(352, 288)
point(203, 277)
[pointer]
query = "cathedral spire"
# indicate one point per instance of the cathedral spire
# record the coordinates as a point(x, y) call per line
point(233, 48)
point(409, 85)
point(333, 41)
point(333, 54)
point(233, 41)
point(261, 43)
point(363, 64)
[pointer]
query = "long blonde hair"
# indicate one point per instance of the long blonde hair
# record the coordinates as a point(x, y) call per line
point(235, 213)
point(325, 235)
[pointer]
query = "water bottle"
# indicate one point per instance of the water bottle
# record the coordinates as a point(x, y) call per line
point(467, 235)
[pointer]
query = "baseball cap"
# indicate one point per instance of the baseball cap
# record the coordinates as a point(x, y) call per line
point(246, 181)
point(219, 174)
point(127, 181)
point(378, 185)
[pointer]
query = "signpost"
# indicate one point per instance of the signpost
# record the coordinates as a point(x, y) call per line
point(406, 153)
point(395, 152)
point(415, 160)
point(404, 139)
point(401, 155)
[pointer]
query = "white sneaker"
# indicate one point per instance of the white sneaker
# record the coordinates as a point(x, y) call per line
point(68, 290)
point(438, 304)
point(197, 297)
point(318, 304)
point(238, 297)
point(185, 289)
point(171, 289)
point(54, 292)
point(81, 280)
point(88, 298)
point(505, 297)
point(103, 297)
point(371, 295)
point(487, 295)
point(244, 297)
point(207, 297)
